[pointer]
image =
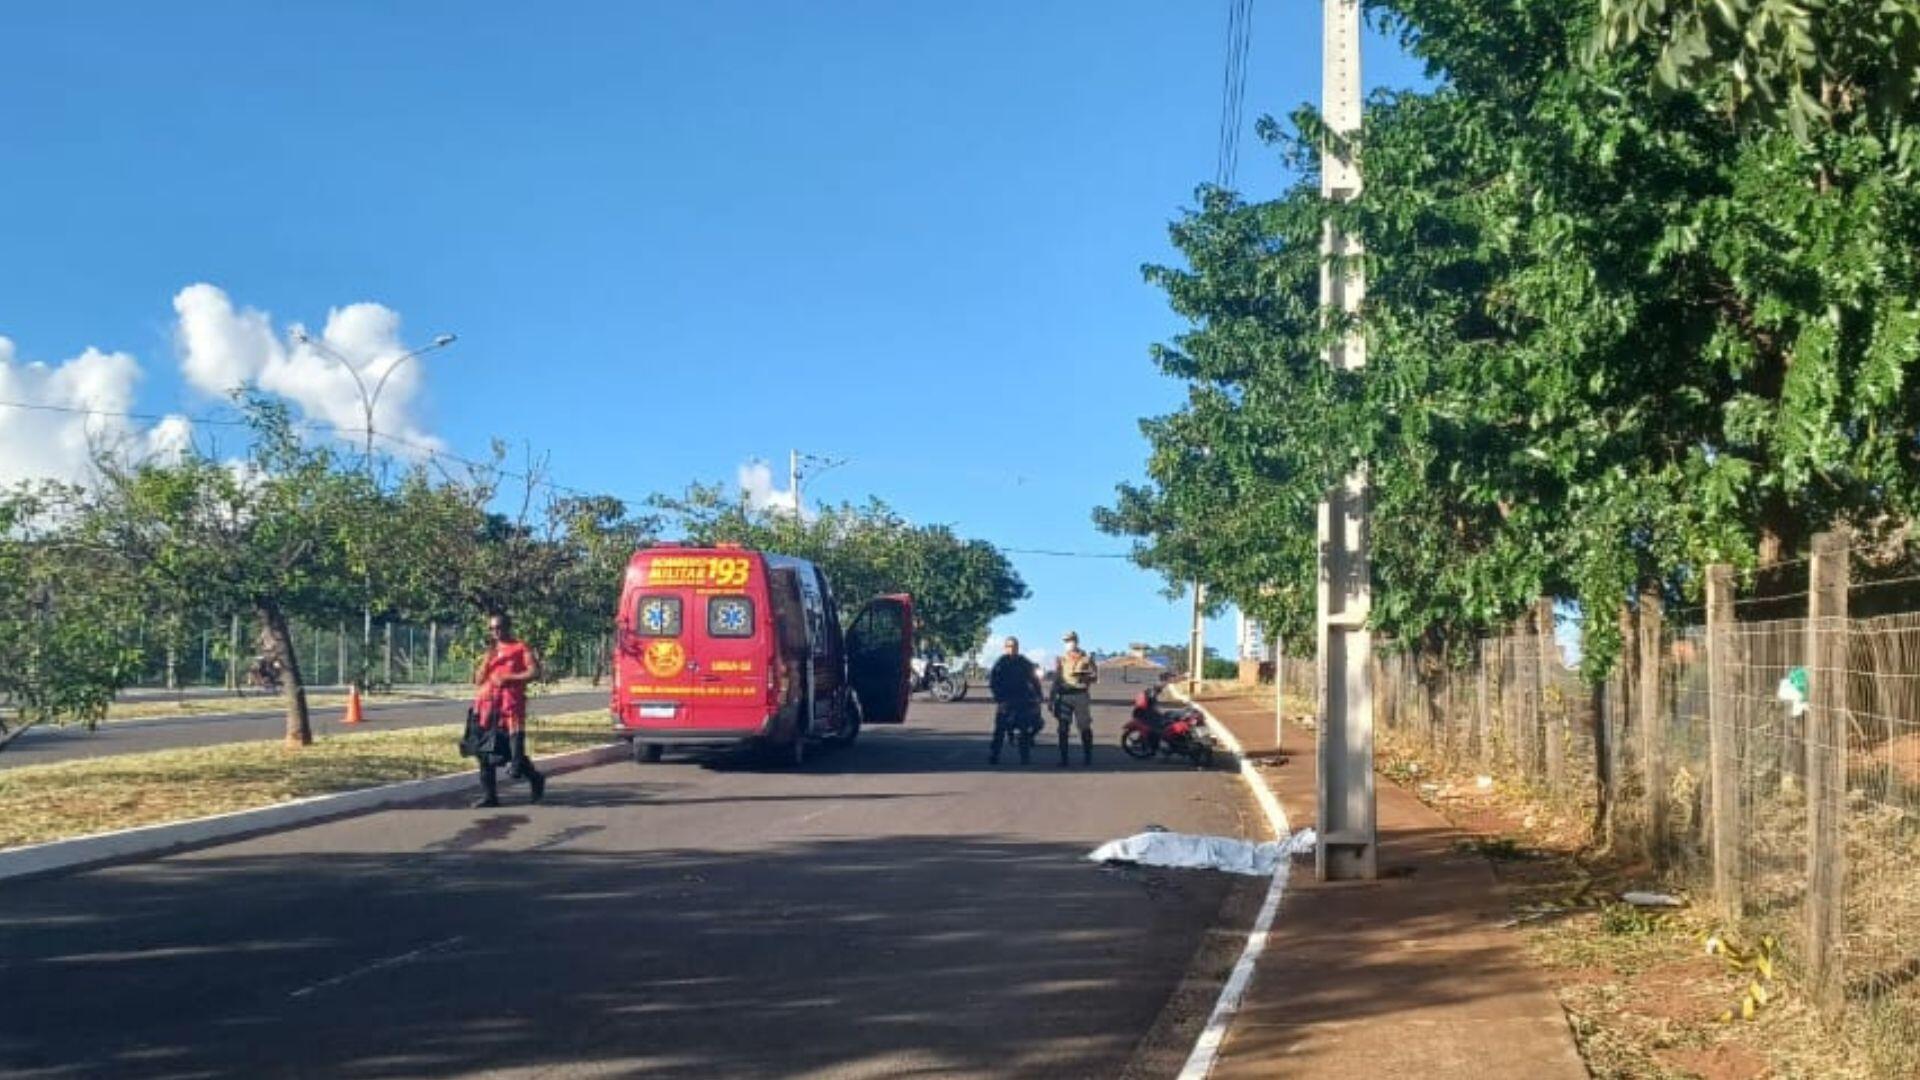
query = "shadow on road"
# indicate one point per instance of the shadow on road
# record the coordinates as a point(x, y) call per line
point(941, 749)
point(902, 956)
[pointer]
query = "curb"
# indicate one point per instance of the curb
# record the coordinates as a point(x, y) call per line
point(1206, 1048)
point(145, 841)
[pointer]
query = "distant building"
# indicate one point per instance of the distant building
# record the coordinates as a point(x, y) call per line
point(1134, 667)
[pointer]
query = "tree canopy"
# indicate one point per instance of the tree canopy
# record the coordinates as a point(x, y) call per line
point(1615, 332)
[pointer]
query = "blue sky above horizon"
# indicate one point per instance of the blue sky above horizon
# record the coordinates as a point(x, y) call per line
point(673, 239)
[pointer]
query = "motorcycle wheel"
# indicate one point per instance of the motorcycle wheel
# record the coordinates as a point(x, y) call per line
point(960, 688)
point(1137, 743)
point(944, 689)
point(1202, 755)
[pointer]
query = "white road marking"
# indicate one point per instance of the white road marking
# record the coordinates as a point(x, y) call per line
point(378, 965)
point(1206, 1049)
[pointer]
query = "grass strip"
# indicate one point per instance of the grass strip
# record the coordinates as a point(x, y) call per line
point(78, 798)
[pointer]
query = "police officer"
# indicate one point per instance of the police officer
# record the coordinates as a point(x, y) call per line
point(1073, 677)
point(1015, 683)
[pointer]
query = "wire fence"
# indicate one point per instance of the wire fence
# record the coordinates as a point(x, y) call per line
point(1762, 753)
point(386, 655)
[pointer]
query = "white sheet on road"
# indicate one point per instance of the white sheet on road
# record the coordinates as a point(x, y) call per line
point(1188, 851)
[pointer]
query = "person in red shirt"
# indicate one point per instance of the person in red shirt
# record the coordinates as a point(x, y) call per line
point(501, 701)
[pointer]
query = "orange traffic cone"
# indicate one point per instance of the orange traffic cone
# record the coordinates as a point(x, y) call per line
point(353, 706)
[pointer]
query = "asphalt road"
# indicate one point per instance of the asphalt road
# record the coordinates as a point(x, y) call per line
point(40, 745)
point(892, 909)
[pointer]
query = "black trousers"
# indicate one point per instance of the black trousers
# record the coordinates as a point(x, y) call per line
point(521, 767)
point(1017, 723)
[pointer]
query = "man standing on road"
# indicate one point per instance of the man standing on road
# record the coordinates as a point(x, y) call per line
point(1015, 683)
point(501, 702)
point(1073, 677)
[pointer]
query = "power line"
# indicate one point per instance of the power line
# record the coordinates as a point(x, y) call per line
point(1066, 554)
point(1233, 91)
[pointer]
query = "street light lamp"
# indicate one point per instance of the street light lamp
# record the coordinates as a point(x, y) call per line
point(369, 399)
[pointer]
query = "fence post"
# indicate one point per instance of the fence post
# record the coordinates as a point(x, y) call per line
point(233, 654)
point(1826, 765)
point(1723, 662)
point(1653, 765)
point(1480, 700)
point(433, 650)
point(1553, 730)
point(340, 648)
point(387, 672)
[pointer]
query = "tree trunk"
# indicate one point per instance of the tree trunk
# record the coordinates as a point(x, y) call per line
point(276, 643)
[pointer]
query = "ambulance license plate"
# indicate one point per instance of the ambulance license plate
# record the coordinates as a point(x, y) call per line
point(656, 710)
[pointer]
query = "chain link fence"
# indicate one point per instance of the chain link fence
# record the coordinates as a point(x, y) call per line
point(390, 654)
point(1799, 710)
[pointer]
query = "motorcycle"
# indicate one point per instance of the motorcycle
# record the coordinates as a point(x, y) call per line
point(1153, 731)
point(935, 678)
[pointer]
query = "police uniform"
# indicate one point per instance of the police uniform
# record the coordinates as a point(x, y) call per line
point(1074, 676)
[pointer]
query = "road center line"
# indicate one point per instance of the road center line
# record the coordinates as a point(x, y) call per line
point(378, 965)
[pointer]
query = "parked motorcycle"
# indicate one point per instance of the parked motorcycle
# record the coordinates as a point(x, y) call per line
point(1153, 731)
point(935, 678)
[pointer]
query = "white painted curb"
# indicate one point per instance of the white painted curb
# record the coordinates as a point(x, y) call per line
point(1206, 1049)
point(149, 840)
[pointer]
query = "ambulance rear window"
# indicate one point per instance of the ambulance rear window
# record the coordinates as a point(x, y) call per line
point(730, 616)
point(657, 616)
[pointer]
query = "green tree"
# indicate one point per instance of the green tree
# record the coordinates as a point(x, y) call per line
point(1612, 337)
point(61, 618)
point(267, 534)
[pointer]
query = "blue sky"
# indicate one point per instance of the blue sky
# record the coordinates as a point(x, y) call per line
point(672, 238)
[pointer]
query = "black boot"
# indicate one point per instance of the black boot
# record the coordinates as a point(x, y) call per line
point(1086, 747)
point(1025, 743)
point(1063, 748)
point(489, 788)
point(535, 780)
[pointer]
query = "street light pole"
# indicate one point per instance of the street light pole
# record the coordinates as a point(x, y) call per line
point(817, 465)
point(368, 401)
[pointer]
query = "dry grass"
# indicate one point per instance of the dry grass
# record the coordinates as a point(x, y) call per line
point(75, 798)
point(1643, 998)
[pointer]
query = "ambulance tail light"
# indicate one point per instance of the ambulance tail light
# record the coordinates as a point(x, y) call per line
point(776, 684)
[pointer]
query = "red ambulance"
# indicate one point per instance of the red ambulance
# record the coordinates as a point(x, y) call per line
point(722, 646)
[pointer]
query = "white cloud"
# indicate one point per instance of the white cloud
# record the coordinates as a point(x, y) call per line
point(47, 443)
point(223, 348)
point(756, 483)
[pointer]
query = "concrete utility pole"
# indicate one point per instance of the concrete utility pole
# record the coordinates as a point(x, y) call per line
point(1197, 641)
point(1348, 835)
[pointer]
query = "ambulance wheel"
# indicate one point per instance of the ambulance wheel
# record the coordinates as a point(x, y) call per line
point(796, 752)
point(849, 736)
point(647, 753)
